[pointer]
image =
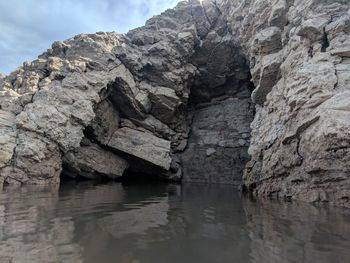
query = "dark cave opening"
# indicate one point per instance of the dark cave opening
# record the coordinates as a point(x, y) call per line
point(218, 114)
point(219, 118)
point(218, 142)
point(324, 41)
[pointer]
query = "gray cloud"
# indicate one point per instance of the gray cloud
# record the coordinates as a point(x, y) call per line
point(28, 27)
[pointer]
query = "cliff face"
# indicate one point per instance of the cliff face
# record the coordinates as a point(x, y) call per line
point(177, 98)
point(299, 54)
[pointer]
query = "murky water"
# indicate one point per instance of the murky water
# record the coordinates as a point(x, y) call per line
point(164, 223)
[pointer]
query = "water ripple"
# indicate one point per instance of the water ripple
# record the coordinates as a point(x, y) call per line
point(164, 223)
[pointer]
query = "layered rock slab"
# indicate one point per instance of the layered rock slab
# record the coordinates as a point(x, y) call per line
point(91, 161)
point(52, 101)
point(142, 145)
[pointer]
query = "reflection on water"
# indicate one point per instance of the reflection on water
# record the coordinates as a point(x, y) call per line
point(164, 223)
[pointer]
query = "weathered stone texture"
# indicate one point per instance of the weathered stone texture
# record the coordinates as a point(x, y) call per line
point(298, 59)
point(91, 161)
point(143, 145)
point(175, 94)
point(218, 142)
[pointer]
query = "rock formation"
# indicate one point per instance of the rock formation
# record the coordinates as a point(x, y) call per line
point(185, 96)
point(300, 65)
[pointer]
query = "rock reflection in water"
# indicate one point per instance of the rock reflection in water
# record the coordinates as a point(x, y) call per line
point(164, 223)
point(31, 231)
point(285, 232)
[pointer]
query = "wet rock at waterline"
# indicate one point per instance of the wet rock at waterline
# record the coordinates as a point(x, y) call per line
point(207, 91)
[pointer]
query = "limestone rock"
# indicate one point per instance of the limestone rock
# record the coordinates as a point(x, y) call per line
point(313, 29)
point(35, 160)
point(269, 75)
point(342, 52)
point(142, 145)
point(295, 127)
point(105, 123)
point(269, 40)
point(8, 137)
point(164, 95)
point(164, 103)
point(218, 142)
point(92, 162)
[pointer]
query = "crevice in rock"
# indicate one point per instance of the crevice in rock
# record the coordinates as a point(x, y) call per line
point(311, 52)
point(336, 74)
point(13, 159)
point(300, 157)
point(324, 41)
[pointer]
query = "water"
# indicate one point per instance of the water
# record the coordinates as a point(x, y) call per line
point(164, 223)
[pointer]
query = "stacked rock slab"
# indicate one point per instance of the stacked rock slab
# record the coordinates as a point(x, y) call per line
point(172, 98)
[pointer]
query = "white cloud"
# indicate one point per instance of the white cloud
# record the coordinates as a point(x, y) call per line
point(28, 27)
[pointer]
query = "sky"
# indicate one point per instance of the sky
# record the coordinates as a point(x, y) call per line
point(29, 27)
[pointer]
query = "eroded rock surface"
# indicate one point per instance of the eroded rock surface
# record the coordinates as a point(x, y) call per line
point(142, 145)
point(301, 71)
point(173, 98)
point(218, 142)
